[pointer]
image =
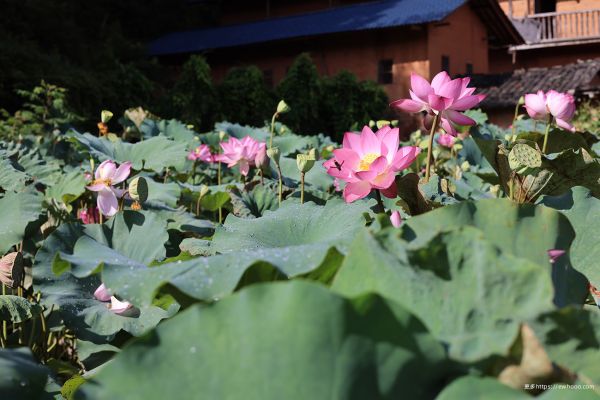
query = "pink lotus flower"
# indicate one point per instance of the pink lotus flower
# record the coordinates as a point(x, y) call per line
point(116, 306)
point(119, 307)
point(370, 161)
point(201, 153)
point(554, 254)
point(106, 176)
point(102, 293)
point(561, 106)
point(261, 155)
point(446, 140)
point(89, 215)
point(396, 219)
point(444, 96)
point(245, 153)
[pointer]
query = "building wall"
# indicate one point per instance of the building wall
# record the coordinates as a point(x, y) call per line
point(462, 37)
point(358, 52)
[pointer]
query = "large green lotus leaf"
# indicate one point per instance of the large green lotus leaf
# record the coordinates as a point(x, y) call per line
point(298, 338)
point(316, 177)
point(571, 337)
point(181, 220)
point(11, 179)
point(572, 168)
point(294, 240)
point(559, 140)
point(67, 187)
point(293, 225)
point(524, 230)
point(73, 297)
point(17, 309)
point(583, 211)
point(17, 210)
point(483, 388)
point(253, 204)
point(468, 292)
point(163, 193)
point(22, 377)
point(154, 154)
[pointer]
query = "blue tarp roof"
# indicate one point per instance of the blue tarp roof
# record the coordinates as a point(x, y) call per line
point(374, 15)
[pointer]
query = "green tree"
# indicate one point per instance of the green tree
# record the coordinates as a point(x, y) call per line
point(194, 99)
point(244, 97)
point(301, 89)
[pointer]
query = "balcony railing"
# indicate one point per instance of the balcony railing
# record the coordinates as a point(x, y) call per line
point(560, 26)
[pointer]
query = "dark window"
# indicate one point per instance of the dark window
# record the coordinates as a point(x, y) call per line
point(446, 64)
point(385, 73)
point(268, 74)
point(544, 6)
point(469, 69)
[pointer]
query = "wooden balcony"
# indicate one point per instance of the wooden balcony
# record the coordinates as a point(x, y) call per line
point(559, 28)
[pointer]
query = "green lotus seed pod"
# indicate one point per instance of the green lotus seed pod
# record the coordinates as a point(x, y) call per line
point(138, 189)
point(305, 162)
point(523, 155)
point(274, 154)
point(282, 107)
point(105, 116)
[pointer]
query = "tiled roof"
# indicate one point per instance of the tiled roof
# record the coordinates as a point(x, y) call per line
point(504, 90)
point(372, 15)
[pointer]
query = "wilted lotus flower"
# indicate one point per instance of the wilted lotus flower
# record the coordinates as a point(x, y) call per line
point(119, 307)
point(554, 254)
point(89, 215)
point(370, 161)
point(444, 96)
point(446, 140)
point(396, 219)
point(102, 293)
point(201, 153)
point(11, 269)
point(241, 152)
point(106, 176)
point(559, 105)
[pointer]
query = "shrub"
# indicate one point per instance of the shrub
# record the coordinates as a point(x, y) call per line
point(301, 89)
point(244, 97)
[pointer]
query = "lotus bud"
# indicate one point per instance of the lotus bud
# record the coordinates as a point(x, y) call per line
point(282, 107)
point(102, 293)
point(396, 219)
point(117, 306)
point(274, 154)
point(521, 100)
point(138, 189)
point(222, 135)
point(105, 116)
point(11, 269)
point(304, 162)
point(204, 190)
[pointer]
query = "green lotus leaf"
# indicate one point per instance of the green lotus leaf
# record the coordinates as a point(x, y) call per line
point(295, 240)
point(154, 154)
point(17, 309)
point(571, 338)
point(468, 292)
point(311, 344)
point(23, 378)
point(17, 210)
point(583, 211)
point(76, 251)
point(525, 231)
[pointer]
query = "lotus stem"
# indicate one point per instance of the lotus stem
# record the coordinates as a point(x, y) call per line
point(379, 202)
point(280, 189)
point(434, 127)
point(4, 323)
point(30, 341)
point(198, 206)
point(219, 184)
point(548, 124)
point(272, 129)
point(514, 128)
point(302, 188)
